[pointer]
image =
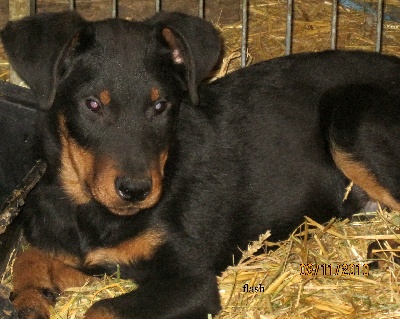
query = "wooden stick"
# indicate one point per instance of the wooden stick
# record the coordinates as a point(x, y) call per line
point(10, 208)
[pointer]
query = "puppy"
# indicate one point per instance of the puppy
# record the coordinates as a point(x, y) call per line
point(168, 178)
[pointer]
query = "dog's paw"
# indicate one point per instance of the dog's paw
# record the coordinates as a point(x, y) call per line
point(28, 313)
point(33, 303)
point(99, 312)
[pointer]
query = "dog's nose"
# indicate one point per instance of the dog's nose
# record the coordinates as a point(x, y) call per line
point(131, 189)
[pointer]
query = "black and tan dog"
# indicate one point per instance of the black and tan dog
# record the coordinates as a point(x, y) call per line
point(168, 179)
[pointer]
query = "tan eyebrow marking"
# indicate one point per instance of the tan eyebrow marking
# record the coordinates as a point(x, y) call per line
point(105, 97)
point(155, 94)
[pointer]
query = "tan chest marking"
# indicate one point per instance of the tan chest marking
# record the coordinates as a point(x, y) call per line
point(141, 247)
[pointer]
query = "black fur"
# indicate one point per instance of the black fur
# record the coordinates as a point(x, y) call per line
point(255, 154)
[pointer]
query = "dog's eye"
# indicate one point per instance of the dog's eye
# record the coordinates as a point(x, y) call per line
point(161, 106)
point(93, 105)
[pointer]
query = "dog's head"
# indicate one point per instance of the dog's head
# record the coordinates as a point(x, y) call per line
point(112, 90)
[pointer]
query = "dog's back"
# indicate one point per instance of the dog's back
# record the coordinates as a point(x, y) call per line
point(260, 149)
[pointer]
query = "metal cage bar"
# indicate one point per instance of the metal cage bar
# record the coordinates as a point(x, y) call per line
point(245, 16)
point(158, 5)
point(72, 5)
point(289, 27)
point(114, 8)
point(334, 24)
point(201, 9)
point(29, 7)
point(379, 26)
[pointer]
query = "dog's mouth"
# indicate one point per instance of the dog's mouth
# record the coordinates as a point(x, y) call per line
point(131, 198)
point(86, 178)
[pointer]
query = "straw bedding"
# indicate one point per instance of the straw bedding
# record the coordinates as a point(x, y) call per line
point(279, 270)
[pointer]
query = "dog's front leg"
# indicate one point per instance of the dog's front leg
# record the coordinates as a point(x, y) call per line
point(176, 296)
point(38, 278)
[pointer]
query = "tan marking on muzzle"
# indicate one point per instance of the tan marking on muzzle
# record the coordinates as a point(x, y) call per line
point(363, 177)
point(77, 165)
point(102, 186)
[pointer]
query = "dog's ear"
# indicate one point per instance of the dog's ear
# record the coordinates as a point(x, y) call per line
point(35, 47)
point(194, 43)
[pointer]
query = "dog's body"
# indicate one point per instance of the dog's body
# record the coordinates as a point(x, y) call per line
point(142, 177)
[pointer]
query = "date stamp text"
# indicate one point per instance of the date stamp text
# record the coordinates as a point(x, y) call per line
point(351, 269)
